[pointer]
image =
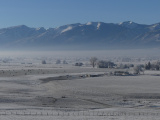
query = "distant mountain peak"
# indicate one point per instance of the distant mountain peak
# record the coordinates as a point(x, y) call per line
point(128, 24)
point(95, 35)
point(89, 23)
point(95, 24)
point(67, 29)
point(40, 28)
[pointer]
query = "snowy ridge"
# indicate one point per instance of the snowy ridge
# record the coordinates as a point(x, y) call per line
point(67, 29)
point(98, 25)
point(95, 24)
point(107, 35)
point(128, 24)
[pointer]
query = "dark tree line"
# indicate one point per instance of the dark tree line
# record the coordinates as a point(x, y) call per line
point(105, 64)
point(152, 66)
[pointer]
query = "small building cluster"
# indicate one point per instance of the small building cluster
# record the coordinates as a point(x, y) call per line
point(121, 73)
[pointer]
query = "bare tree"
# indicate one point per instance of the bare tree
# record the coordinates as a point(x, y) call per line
point(93, 61)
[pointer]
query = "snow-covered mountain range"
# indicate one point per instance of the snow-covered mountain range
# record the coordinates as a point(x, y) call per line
point(92, 35)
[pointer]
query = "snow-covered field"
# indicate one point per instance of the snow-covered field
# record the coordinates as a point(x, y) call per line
point(30, 90)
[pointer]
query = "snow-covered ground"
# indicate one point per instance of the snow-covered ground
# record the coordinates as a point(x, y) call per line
point(61, 92)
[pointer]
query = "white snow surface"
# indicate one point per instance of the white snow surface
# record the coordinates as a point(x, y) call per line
point(67, 29)
point(23, 96)
point(89, 23)
point(98, 25)
point(128, 24)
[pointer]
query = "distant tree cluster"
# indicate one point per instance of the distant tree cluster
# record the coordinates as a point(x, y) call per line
point(58, 61)
point(138, 69)
point(152, 66)
point(125, 66)
point(78, 64)
point(43, 62)
point(65, 62)
point(101, 63)
point(148, 66)
point(105, 64)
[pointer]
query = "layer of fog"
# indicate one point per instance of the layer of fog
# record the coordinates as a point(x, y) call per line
point(98, 53)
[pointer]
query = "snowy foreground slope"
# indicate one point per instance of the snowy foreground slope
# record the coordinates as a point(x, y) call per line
point(71, 93)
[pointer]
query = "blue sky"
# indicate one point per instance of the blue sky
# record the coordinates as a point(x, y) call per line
point(54, 13)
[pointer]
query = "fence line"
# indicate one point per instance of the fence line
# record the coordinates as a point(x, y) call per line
point(78, 113)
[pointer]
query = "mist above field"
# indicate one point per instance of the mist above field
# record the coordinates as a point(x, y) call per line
point(98, 53)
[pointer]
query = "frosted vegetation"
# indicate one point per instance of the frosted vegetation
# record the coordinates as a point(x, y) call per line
point(69, 86)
